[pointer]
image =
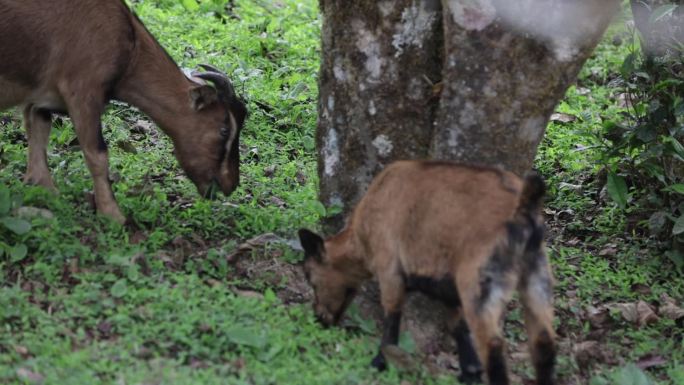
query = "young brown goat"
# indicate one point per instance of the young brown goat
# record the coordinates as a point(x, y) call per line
point(75, 55)
point(468, 236)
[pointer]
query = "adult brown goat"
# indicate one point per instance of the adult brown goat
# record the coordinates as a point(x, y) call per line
point(74, 56)
point(468, 236)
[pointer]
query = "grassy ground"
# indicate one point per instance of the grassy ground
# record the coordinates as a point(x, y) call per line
point(85, 301)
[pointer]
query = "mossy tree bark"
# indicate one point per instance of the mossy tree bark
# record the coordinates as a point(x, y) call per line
point(467, 80)
point(376, 101)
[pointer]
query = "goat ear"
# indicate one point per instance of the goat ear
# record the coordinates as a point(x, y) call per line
point(313, 244)
point(202, 97)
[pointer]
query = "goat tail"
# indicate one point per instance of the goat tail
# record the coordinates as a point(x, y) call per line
point(532, 196)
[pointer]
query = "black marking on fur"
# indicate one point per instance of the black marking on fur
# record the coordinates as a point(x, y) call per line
point(492, 274)
point(390, 333)
point(496, 364)
point(471, 368)
point(545, 359)
point(390, 336)
point(442, 289)
point(101, 144)
point(43, 114)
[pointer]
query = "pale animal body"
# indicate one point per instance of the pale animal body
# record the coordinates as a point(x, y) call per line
point(468, 236)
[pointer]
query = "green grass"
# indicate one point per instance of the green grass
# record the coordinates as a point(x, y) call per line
point(92, 302)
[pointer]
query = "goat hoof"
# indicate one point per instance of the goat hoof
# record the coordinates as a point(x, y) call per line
point(45, 182)
point(379, 362)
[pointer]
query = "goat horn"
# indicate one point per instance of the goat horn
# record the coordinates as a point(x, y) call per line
point(221, 82)
point(210, 68)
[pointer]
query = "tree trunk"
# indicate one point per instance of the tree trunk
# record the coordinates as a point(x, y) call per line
point(501, 68)
point(376, 101)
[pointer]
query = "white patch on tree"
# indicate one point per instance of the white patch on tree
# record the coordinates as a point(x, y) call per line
point(383, 145)
point(331, 152)
point(368, 44)
point(415, 27)
point(472, 15)
point(386, 7)
point(371, 108)
point(339, 71)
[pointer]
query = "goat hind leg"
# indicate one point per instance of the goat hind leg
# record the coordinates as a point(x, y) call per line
point(536, 297)
point(38, 123)
point(483, 306)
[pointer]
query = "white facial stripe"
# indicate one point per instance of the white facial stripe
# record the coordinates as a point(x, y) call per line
point(233, 132)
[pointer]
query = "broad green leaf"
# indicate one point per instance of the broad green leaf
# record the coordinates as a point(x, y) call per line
point(617, 189)
point(678, 227)
point(677, 188)
point(244, 336)
point(628, 65)
point(270, 296)
point(675, 147)
point(18, 252)
point(133, 272)
point(16, 225)
point(656, 221)
point(631, 375)
point(119, 288)
point(190, 5)
point(662, 12)
point(320, 209)
point(5, 201)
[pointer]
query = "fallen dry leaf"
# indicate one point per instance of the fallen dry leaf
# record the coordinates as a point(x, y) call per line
point(650, 360)
point(248, 293)
point(562, 117)
point(587, 353)
point(399, 358)
point(598, 317)
point(639, 313)
point(254, 243)
point(608, 249)
point(669, 308)
point(22, 350)
point(641, 289)
point(30, 375)
point(646, 314)
point(269, 171)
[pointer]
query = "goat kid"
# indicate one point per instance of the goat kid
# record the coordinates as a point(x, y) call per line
point(468, 236)
point(73, 56)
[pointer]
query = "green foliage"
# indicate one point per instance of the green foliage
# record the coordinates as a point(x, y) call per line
point(641, 148)
point(14, 230)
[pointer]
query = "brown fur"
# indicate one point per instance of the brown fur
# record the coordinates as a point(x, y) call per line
point(476, 230)
point(75, 55)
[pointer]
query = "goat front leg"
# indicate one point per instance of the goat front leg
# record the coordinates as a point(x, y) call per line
point(38, 123)
point(392, 291)
point(85, 114)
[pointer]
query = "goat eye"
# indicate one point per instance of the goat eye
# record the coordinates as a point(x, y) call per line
point(224, 131)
